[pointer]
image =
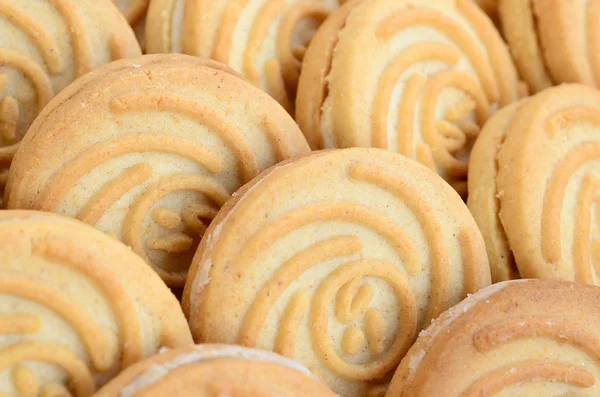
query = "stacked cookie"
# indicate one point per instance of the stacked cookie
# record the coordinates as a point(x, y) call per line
point(360, 268)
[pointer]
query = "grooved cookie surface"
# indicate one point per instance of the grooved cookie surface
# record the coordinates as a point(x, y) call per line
point(216, 370)
point(516, 338)
point(45, 45)
point(76, 306)
point(546, 182)
point(264, 40)
point(436, 71)
point(148, 150)
point(340, 279)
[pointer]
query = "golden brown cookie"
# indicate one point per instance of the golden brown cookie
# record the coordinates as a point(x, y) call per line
point(341, 279)
point(76, 307)
point(553, 41)
point(545, 183)
point(489, 6)
point(264, 40)
point(45, 45)
point(417, 77)
point(216, 370)
point(148, 149)
point(520, 338)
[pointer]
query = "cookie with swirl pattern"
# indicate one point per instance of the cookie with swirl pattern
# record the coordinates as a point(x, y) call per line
point(263, 40)
point(516, 338)
point(148, 150)
point(416, 77)
point(553, 41)
point(337, 260)
point(216, 370)
point(76, 307)
point(534, 183)
point(45, 45)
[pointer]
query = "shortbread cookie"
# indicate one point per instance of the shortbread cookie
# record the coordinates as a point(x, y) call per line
point(45, 45)
point(264, 40)
point(417, 77)
point(553, 41)
point(76, 307)
point(520, 338)
point(216, 370)
point(543, 185)
point(134, 10)
point(337, 260)
point(148, 149)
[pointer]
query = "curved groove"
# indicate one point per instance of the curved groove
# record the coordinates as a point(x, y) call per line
point(71, 255)
point(19, 323)
point(582, 257)
point(352, 301)
point(293, 315)
point(82, 48)
point(406, 114)
point(410, 17)
point(285, 275)
point(71, 172)
point(108, 194)
point(32, 71)
point(567, 118)
point(529, 371)
point(211, 118)
point(41, 39)
point(553, 199)
point(558, 330)
point(440, 266)
point(99, 348)
point(224, 37)
point(9, 118)
point(395, 68)
point(80, 377)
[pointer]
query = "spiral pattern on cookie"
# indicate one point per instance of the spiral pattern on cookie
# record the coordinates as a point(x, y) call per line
point(516, 337)
point(86, 333)
point(156, 181)
point(40, 56)
point(432, 81)
point(265, 41)
point(331, 279)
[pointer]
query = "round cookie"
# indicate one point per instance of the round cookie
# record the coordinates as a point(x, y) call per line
point(148, 149)
point(517, 338)
point(263, 40)
point(553, 41)
point(436, 71)
point(76, 307)
point(545, 180)
point(44, 46)
point(341, 279)
point(216, 370)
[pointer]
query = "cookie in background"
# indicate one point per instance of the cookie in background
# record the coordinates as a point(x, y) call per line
point(553, 41)
point(533, 186)
point(515, 338)
point(263, 40)
point(340, 279)
point(216, 370)
point(416, 77)
point(148, 149)
point(135, 13)
point(44, 46)
point(76, 307)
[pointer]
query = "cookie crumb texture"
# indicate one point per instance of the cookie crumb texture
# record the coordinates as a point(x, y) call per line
point(516, 338)
point(44, 46)
point(148, 150)
point(342, 279)
point(416, 77)
point(76, 307)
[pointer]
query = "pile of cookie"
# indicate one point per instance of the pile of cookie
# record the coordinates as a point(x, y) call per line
point(299, 198)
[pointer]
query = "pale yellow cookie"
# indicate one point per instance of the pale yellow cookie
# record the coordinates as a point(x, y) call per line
point(45, 45)
point(416, 77)
point(76, 307)
point(524, 338)
point(534, 183)
point(264, 40)
point(148, 150)
point(216, 370)
point(337, 260)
